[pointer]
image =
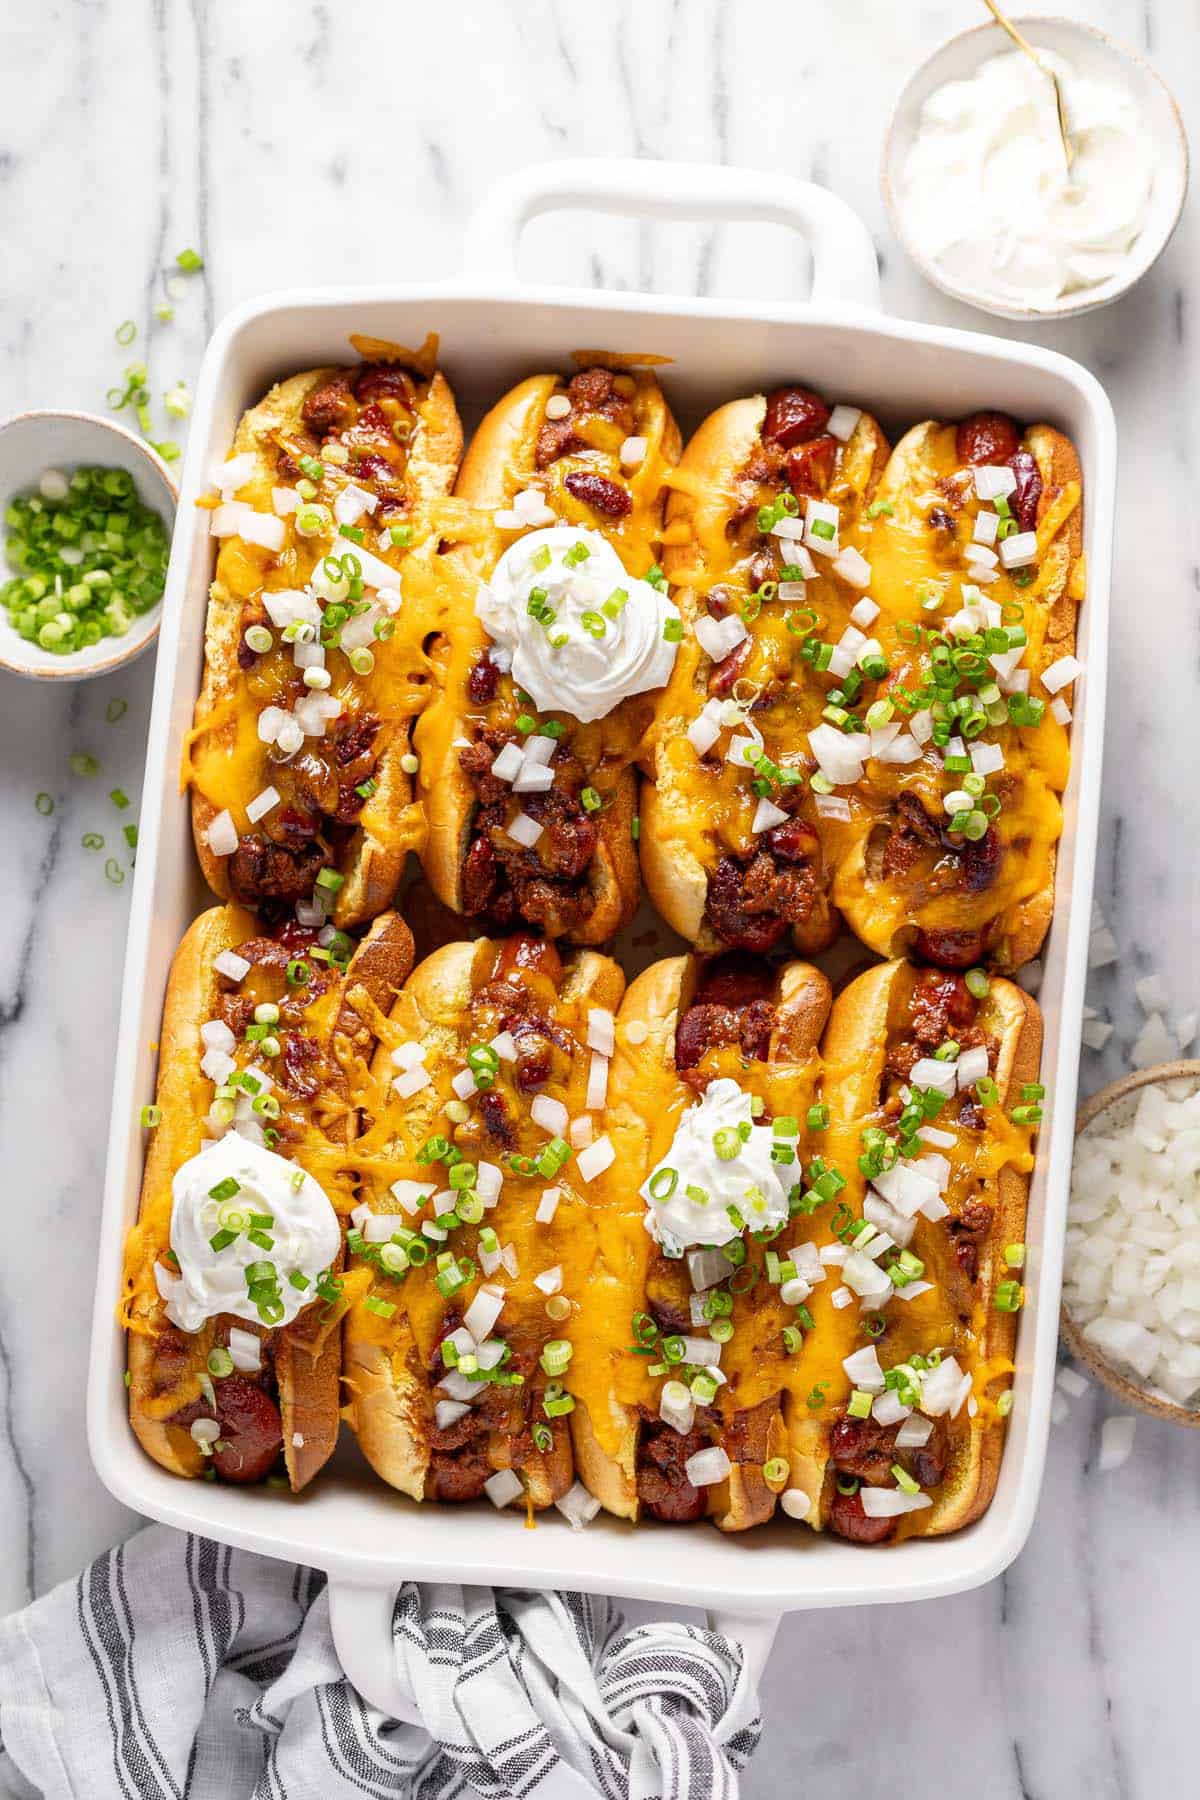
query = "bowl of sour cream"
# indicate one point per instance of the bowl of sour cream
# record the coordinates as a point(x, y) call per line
point(978, 188)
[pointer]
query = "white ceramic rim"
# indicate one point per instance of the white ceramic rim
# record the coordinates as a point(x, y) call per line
point(1070, 306)
point(131, 646)
point(365, 1568)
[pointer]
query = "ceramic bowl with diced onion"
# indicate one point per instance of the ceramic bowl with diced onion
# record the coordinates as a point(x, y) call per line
point(1131, 1279)
point(88, 513)
point(977, 183)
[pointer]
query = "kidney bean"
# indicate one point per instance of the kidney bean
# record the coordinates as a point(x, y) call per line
point(598, 492)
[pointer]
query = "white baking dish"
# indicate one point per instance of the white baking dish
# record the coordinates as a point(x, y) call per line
point(494, 331)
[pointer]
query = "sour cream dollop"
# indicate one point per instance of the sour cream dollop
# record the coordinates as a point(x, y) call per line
point(986, 192)
point(304, 1229)
point(587, 659)
point(695, 1207)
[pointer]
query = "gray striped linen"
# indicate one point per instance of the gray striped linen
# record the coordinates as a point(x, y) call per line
point(180, 1668)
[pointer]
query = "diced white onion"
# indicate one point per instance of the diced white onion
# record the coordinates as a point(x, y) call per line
point(795, 1503)
point(503, 1488)
point(550, 1114)
point(245, 1349)
point(890, 1503)
point(262, 804)
point(888, 1408)
point(597, 1157)
point(986, 526)
point(1061, 673)
point(601, 1031)
point(597, 1085)
point(231, 965)
point(480, 1317)
point(972, 1066)
point(1018, 551)
point(852, 567)
point(449, 1412)
point(718, 637)
point(703, 732)
point(707, 1466)
point(505, 1046)
point(676, 1407)
point(547, 1206)
point(464, 1084)
point(633, 452)
point(915, 1432)
point(842, 421)
point(216, 1035)
point(864, 1371)
point(766, 816)
point(488, 1182)
point(222, 835)
point(577, 1506)
point(411, 1081)
point(237, 520)
point(1116, 1441)
point(524, 831)
point(994, 481)
point(549, 1281)
point(508, 763)
point(411, 1195)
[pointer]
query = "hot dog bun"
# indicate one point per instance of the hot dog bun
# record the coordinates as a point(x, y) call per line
point(648, 1095)
point(989, 1169)
point(894, 896)
point(459, 997)
point(166, 1366)
point(698, 808)
point(508, 455)
point(321, 819)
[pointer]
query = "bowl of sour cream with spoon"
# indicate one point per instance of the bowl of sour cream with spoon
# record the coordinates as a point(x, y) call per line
point(978, 184)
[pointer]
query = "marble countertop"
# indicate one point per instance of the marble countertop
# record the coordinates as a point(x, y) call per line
point(259, 134)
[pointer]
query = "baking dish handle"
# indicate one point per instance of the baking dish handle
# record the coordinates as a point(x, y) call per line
point(845, 270)
point(360, 1619)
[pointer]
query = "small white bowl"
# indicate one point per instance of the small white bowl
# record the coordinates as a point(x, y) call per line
point(1090, 52)
point(33, 441)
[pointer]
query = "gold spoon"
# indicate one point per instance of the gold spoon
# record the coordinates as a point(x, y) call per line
point(1023, 43)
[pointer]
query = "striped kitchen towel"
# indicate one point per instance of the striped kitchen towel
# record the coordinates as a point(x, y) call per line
point(182, 1668)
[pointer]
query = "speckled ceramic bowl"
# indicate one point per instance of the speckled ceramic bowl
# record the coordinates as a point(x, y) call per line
point(1091, 52)
point(33, 441)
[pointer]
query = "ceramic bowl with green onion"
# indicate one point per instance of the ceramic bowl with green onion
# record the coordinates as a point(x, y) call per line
point(86, 515)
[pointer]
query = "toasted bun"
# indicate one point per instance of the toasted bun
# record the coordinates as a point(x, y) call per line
point(390, 1398)
point(679, 846)
point(373, 859)
point(307, 1353)
point(642, 1080)
point(855, 1047)
point(499, 461)
point(1016, 934)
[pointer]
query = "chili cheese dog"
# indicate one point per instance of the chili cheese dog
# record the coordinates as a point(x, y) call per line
point(686, 1312)
point(946, 773)
point(231, 1298)
point(564, 628)
point(326, 585)
point(896, 1426)
point(477, 1171)
point(767, 509)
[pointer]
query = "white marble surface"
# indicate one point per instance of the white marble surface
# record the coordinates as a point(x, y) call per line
point(291, 142)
